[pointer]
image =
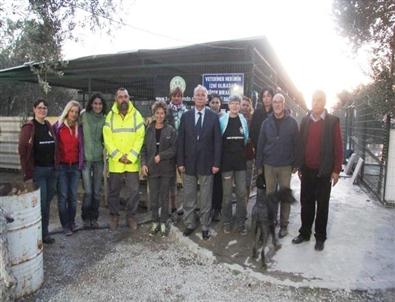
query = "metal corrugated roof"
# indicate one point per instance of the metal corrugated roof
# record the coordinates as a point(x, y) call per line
point(140, 67)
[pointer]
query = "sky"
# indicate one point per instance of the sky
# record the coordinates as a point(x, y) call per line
point(302, 33)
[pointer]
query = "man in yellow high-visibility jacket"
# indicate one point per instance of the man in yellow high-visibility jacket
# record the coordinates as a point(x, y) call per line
point(123, 134)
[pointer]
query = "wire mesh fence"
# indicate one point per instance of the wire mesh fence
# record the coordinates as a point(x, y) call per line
point(366, 133)
point(296, 110)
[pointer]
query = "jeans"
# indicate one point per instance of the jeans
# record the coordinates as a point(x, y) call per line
point(92, 177)
point(239, 178)
point(115, 183)
point(159, 196)
point(67, 193)
point(45, 179)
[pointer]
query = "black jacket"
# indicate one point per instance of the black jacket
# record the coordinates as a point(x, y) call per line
point(167, 151)
point(327, 150)
point(199, 157)
point(256, 123)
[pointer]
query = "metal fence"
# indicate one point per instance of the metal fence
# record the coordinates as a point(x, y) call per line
point(366, 133)
point(9, 134)
point(297, 111)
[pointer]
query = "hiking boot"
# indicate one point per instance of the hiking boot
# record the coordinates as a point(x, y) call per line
point(86, 224)
point(205, 235)
point(67, 231)
point(173, 216)
point(216, 216)
point(154, 229)
point(48, 240)
point(94, 224)
point(319, 245)
point(163, 232)
point(188, 231)
point(74, 227)
point(283, 232)
point(227, 228)
point(132, 223)
point(114, 219)
point(173, 212)
point(243, 230)
point(299, 239)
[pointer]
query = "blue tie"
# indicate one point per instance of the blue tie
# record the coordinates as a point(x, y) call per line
point(199, 126)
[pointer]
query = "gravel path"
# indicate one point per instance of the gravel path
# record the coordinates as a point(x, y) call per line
point(103, 266)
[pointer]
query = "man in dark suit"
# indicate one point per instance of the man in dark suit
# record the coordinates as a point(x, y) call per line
point(198, 156)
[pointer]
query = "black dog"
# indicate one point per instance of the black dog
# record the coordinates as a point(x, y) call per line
point(264, 220)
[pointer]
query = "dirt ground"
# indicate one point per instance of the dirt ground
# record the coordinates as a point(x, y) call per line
point(121, 266)
point(99, 265)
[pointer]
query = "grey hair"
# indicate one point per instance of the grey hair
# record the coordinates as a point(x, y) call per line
point(200, 87)
point(279, 96)
point(319, 94)
point(234, 98)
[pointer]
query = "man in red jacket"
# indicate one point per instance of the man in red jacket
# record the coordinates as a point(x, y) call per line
point(320, 156)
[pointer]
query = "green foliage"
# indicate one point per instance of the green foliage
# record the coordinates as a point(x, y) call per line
point(34, 31)
point(29, 41)
point(61, 18)
point(371, 23)
point(372, 96)
point(365, 21)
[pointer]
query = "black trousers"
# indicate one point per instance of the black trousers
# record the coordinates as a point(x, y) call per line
point(159, 196)
point(217, 192)
point(314, 191)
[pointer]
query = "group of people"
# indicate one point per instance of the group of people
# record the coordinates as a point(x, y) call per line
point(59, 154)
point(212, 149)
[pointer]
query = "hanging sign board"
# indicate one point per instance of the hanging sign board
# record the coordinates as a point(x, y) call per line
point(224, 84)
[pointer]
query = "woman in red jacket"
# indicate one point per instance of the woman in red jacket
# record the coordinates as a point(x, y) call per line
point(37, 145)
point(71, 160)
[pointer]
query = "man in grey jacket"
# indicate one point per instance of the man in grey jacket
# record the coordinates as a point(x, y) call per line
point(276, 153)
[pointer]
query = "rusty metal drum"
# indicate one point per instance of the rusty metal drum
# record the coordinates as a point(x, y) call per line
point(24, 238)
